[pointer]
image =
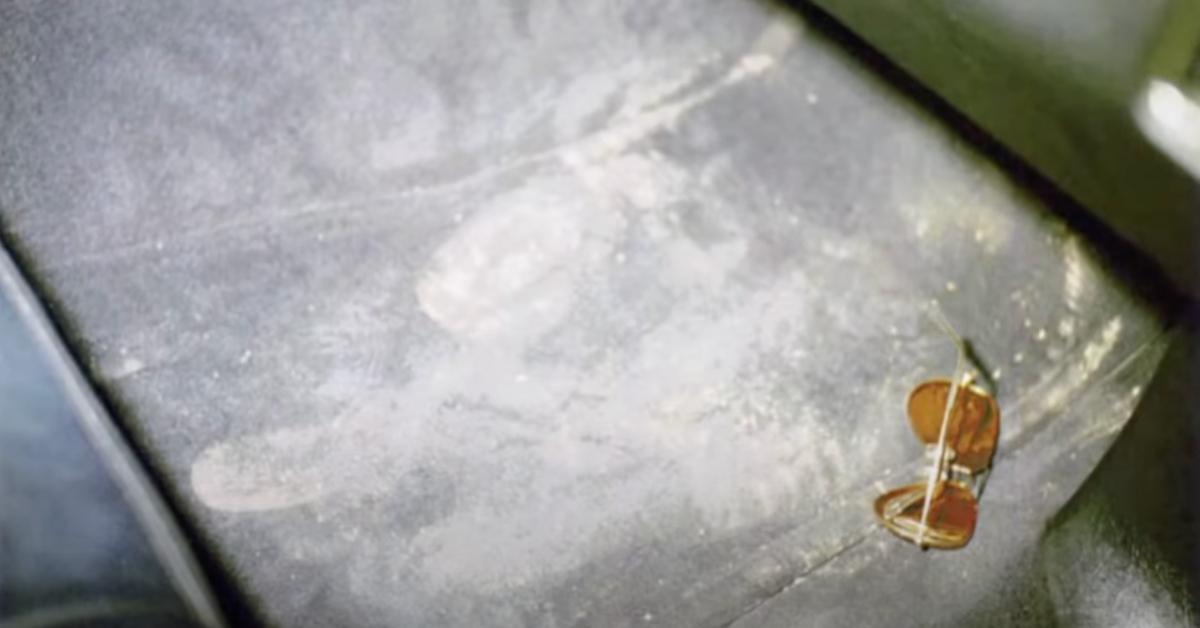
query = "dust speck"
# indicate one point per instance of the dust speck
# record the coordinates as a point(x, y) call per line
point(1075, 273)
point(922, 228)
point(757, 63)
point(128, 366)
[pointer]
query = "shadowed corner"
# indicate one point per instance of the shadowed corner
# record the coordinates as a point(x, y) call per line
point(1123, 260)
point(983, 368)
point(1131, 532)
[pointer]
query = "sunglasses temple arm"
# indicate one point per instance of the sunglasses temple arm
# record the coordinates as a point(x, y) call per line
point(935, 471)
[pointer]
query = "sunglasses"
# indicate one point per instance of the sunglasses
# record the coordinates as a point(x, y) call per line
point(959, 423)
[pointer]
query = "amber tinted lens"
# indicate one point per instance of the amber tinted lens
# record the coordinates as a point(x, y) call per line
point(925, 405)
point(974, 425)
point(952, 515)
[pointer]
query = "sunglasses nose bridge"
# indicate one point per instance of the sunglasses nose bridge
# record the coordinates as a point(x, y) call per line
point(949, 455)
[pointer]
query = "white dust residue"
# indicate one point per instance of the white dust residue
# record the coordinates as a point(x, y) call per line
point(511, 269)
point(514, 258)
point(1078, 373)
point(686, 431)
point(679, 444)
point(951, 209)
point(673, 416)
point(416, 137)
point(360, 452)
point(126, 366)
point(643, 182)
point(223, 478)
point(688, 264)
point(636, 123)
point(1076, 273)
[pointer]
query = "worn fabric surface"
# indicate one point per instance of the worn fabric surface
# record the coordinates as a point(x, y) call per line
point(540, 314)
